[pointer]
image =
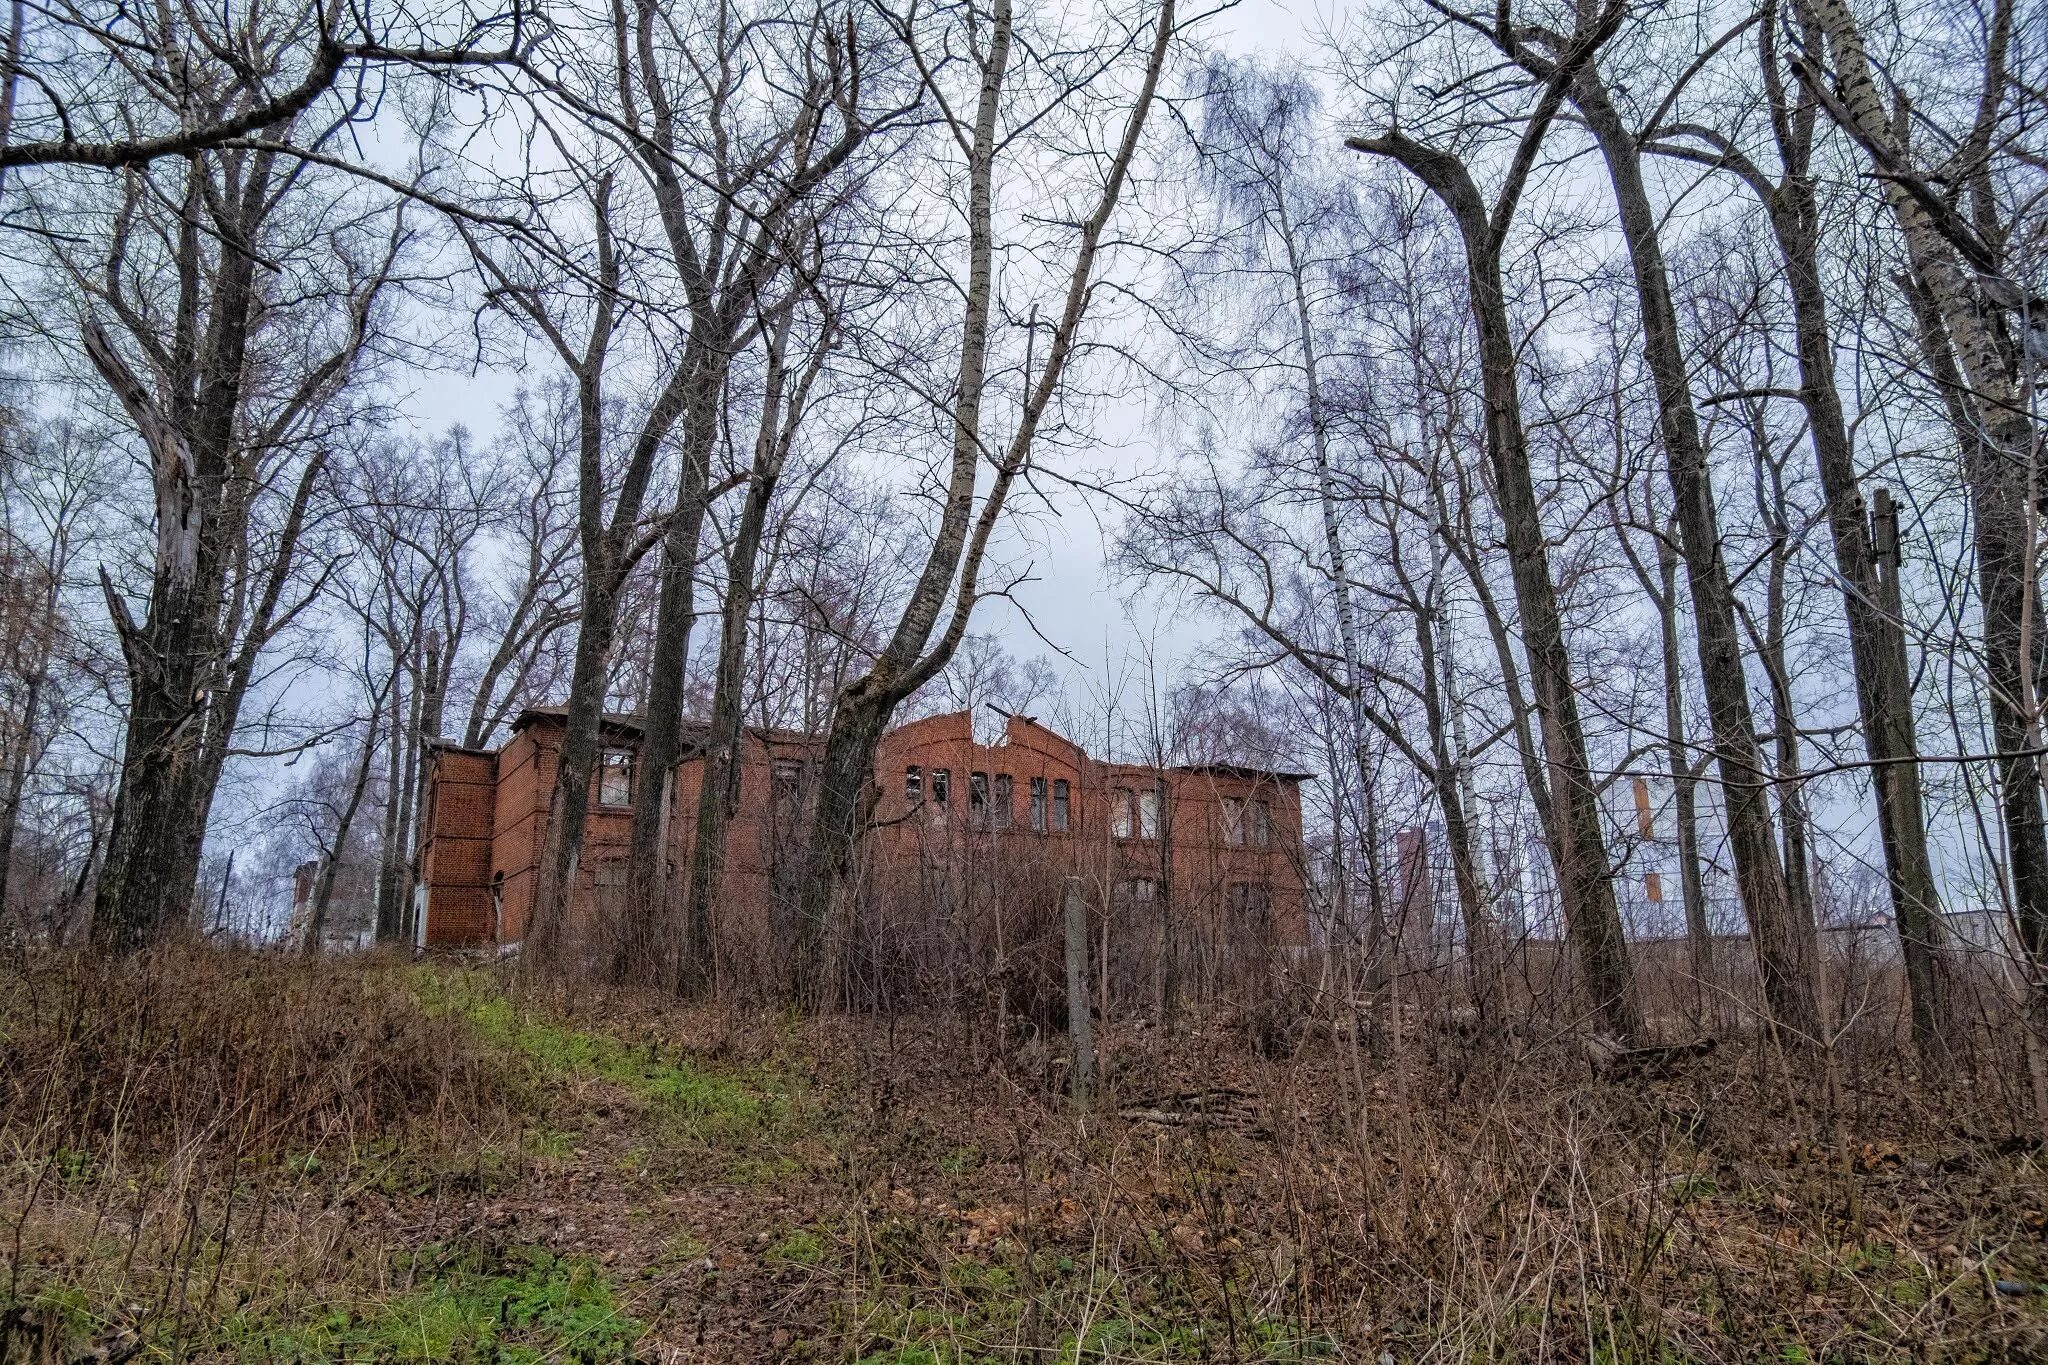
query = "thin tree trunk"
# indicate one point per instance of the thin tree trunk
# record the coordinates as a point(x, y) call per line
point(1699, 933)
point(390, 915)
point(719, 801)
point(1785, 949)
point(433, 704)
point(330, 869)
point(661, 746)
point(1574, 824)
point(1481, 945)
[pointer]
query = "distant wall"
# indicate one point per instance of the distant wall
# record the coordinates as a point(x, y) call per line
point(456, 863)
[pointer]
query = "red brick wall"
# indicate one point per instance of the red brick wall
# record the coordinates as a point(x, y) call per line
point(763, 846)
point(1191, 857)
point(456, 861)
point(526, 787)
point(931, 846)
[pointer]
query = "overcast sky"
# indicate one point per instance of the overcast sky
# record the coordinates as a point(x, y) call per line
point(1086, 621)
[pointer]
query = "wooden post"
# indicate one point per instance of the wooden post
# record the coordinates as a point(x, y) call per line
point(1080, 1033)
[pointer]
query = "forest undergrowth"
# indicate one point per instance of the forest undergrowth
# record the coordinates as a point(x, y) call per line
point(217, 1156)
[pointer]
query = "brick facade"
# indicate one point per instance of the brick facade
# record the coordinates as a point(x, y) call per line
point(1189, 863)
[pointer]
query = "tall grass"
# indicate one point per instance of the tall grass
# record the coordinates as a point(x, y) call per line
point(159, 1118)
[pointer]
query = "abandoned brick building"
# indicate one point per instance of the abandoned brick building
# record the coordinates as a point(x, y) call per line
point(968, 838)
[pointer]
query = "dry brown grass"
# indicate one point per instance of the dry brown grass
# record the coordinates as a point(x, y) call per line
point(251, 1057)
point(212, 1156)
point(161, 1120)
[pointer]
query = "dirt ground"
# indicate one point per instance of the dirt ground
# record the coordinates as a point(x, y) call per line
point(465, 1168)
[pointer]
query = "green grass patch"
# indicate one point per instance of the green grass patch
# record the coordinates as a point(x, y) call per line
point(518, 1306)
point(697, 1103)
point(798, 1246)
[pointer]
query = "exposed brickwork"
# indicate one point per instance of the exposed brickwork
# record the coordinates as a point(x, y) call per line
point(1215, 851)
point(456, 863)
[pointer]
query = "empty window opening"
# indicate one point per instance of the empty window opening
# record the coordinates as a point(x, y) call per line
point(913, 784)
point(1139, 893)
point(1250, 902)
point(1000, 813)
point(1147, 813)
point(1247, 822)
point(1061, 803)
point(615, 778)
point(977, 799)
point(1038, 805)
point(942, 785)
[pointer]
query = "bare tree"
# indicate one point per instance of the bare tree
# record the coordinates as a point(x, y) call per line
point(959, 544)
point(1785, 945)
point(1877, 637)
point(69, 101)
point(1578, 844)
point(228, 314)
point(1956, 286)
point(50, 479)
point(786, 392)
point(737, 202)
point(724, 206)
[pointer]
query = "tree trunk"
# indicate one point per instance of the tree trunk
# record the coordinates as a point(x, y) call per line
point(1699, 933)
point(323, 891)
point(1482, 942)
point(844, 775)
point(561, 848)
point(152, 860)
point(661, 747)
point(719, 799)
point(1877, 635)
point(433, 704)
point(1784, 948)
point(1996, 439)
point(1586, 887)
point(151, 867)
point(390, 914)
point(17, 781)
point(1574, 822)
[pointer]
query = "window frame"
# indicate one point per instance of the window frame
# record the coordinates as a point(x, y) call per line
point(1134, 893)
point(786, 780)
point(913, 783)
point(613, 758)
point(1062, 806)
point(1244, 900)
point(1038, 806)
point(1149, 802)
point(1002, 797)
